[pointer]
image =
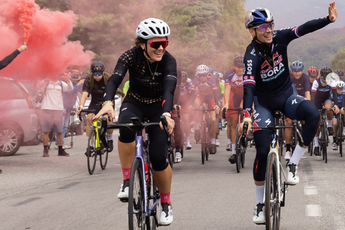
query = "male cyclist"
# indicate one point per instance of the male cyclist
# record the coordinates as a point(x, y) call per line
point(321, 97)
point(206, 93)
point(313, 73)
point(267, 83)
point(340, 103)
point(233, 95)
point(302, 85)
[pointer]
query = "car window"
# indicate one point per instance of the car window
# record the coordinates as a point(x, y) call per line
point(10, 90)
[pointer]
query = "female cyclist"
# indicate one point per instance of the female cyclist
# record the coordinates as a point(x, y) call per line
point(152, 81)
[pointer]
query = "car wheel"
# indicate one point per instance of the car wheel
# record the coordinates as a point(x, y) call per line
point(10, 140)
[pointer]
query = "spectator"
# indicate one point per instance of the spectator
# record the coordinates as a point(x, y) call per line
point(52, 110)
point(7, 60)
point(69, 99)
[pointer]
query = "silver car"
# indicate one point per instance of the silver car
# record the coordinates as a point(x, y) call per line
point(18, 119)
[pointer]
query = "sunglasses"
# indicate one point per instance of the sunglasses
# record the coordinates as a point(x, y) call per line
point(205, 75)
point(157, 44)
point(263, 27)
point(97, 73)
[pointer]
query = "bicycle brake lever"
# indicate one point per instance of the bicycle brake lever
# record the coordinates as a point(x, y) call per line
point(165, 126)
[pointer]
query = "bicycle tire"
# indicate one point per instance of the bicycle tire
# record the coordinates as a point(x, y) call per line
point(91, 151)
point(272, 205)
point(171, 157)
point(311, 148)
point(103, 158)
point(324, 142)
point(136, 199)
point(153, 196)
point(207, 151)
point(203, 142)
point(340, 136)
point(238, 151)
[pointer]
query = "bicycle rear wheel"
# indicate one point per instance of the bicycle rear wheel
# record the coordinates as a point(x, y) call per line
point(272, 203)
point(91, 151)
point(324, 137)
point(238, 151)
point(340, 136)
point(203, 142)
point(103, 157)
point(136, 214)
point(171, 157)
point(154, 204)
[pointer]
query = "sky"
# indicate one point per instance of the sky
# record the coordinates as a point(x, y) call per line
point(295, 12)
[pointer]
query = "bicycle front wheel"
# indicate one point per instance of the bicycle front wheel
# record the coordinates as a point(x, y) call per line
point(91, 151)
point(103, 157)
point(340, 136)
point(136, 214)
point(272, 203)
point(238, 150)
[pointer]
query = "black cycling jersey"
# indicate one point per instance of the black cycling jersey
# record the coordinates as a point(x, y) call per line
point(149, 82)
point(7, 60)
point(267, 80)
point(97, 92)
point(302, 84)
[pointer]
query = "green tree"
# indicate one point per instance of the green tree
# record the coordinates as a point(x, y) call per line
point(338, 61)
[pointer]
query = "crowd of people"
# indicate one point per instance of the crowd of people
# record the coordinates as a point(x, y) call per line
point(259, 83)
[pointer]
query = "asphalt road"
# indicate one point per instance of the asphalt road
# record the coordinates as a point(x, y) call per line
point(58, 193)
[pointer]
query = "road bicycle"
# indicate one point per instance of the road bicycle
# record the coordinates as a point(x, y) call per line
point(144, 198)
point(205, 132)
point(240, 140)
point(97, 144)
point(275, 178)
point(324, 135)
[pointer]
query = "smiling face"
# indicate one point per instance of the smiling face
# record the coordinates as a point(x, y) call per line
point(263, 37)
point(155, 54)
point(297, 74)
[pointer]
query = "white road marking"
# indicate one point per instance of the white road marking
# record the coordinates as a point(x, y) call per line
point(310, 190)
point(313, 210)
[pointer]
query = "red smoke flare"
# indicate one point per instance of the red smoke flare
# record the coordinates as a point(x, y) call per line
point(49, 52)
point(26, 9)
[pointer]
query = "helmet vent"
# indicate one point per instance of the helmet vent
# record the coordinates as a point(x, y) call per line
point(152, 30)
point(159, 31)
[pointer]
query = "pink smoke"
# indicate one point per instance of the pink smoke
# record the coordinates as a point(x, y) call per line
point(49, 52)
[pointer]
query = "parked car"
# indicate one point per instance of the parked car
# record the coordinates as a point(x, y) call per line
point(18, 119)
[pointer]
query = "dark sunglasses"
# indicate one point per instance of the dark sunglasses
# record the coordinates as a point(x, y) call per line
point(97, 73)
point(263, 27)
point(204, 75)
point(157, 44)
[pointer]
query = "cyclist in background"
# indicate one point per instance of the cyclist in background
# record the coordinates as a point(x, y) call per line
point(206, 93)
point(233, 96)
point(302, 85)
point(313, 74)
point(321, 97)
point(340, 73)
point(216, 78)
point(152, 76)
point(176, 117)
point(267, 83)
point(340, 99)
point(184, 101)
point(94, 85)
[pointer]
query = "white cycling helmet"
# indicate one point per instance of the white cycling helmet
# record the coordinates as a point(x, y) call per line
point(152, 27)
point(220, 75)
point(340, 84)
point(202, 69)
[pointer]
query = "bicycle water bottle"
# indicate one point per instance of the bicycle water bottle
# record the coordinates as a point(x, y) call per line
point(147, 176)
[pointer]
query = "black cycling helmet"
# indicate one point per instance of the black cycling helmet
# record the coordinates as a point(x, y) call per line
point(325, 71)
point(257, 17)
point(239, 61)
point(297, 66)
point(97, 66)
point(340, 72)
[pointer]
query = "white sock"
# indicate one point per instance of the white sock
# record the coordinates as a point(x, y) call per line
point(233, 149)
point(297, 155)
point(109, 137)
point(259, 191)
point(229, 141)
point(188, 140)
point(213, 141)
point(316, 141)
point(329, 123)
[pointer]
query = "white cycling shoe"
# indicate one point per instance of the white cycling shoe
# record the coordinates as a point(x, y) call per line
point(166, 217)
point(292, 174)
point(259, 214)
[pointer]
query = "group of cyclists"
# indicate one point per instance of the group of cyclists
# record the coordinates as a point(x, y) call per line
point(260, 83)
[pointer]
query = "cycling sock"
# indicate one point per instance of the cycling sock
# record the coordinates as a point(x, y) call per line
point(188, 140)
point(333, 139)
point(229, 141)
point(316, 141)
point(233, 148)
point(213, 141)
point(297, 155)
point(126, 173)
point(45, 148)
point(165, 198)
point(287, 147)
point(109, 136)
point(60, 148)
point(259, 191)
